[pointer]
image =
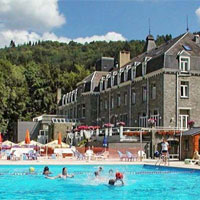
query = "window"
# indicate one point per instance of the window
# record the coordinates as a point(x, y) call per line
point(101, 105)
point(112, 102)
point(115, 79)
point(106, 104)
point(125, 99)
point(122, 77)
point(153, 92)
point(186, 144)
point(118, 100)
point(144, 68)
point(187, 48)
point(143, 120)
point(156, 117)
point(184, 64)
point(133, 73)
point(144, 93)
point(83, 110)
point(184, 89)
point(133, 98)
point(184, 121)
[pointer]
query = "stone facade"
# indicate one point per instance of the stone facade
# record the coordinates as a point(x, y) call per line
point(162, 83)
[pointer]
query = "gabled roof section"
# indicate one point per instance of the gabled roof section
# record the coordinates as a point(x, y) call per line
point(186, 40)
point(156, 52)
point(95, 76)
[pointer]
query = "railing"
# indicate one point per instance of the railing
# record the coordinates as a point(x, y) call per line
point(143, 121)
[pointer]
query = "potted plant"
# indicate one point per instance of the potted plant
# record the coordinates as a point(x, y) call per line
point(151, 122)
point(191, 123)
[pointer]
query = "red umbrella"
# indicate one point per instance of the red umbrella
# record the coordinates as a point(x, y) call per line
point(91, 127)
point(121, 124)
point(108, 125)
point(83, 127)
point(59, 138)
point(96, 127)
point(1, 140)
point(27, 138)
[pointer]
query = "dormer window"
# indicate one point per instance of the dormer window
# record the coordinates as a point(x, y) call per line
point(133, 73)
point(115, 79)
point(144, 68)
point(122, 77)
point(184, 64)
point(109, 83)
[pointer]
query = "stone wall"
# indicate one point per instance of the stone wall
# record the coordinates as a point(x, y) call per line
point(63, 128)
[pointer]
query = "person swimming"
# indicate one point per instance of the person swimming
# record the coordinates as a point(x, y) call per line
point(110, 172)
point(46, 171)
point(98, 172)
point(118, 177)
point(63, 175)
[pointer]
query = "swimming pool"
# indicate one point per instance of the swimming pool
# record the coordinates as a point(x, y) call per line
point(141, 182)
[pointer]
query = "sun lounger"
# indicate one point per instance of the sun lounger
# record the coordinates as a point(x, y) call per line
point(130, 156)
point(122, 156)
point(101, 156)
point(191, 162)
point(78, 155)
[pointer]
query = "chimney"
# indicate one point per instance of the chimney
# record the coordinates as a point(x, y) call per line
point(196, 39)
point(124, 57)
point(150, 43)
point(58, 95)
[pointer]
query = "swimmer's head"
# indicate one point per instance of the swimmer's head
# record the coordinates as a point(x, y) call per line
point(96, 174)
point(111, 182)
point(100, 169)
point(31, 169)
point(110, 171)
point(46, 170)
point(64, 171)
point(119, 175)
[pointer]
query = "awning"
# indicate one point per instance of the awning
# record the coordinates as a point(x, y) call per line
point(191, 132)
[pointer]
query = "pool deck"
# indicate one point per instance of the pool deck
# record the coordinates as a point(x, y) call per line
point(72, 161)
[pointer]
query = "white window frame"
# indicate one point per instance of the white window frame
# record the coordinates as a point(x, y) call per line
point(133, 98)
point(153, 94)
point(143, 121)
point(106, 104)
point(183, 69)
point(112, 102)
point(184, 118)
point(144, 68)
point(185, 89)
point(144, 94)
point(118, 100)
point(125, 99)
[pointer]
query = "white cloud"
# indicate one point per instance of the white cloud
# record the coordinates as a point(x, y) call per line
point(32, 15)
point(110, 36)
point(198, 13)
point(21, 37)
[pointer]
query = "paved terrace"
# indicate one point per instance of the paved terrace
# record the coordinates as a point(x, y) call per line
point(72, 161)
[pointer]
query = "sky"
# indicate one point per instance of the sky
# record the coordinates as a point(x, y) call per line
point(94, 20)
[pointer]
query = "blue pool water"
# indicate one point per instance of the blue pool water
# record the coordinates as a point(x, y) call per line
point(141, 182)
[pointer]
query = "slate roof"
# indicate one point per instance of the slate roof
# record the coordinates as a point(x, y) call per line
point(191, 132)
point(158, 51)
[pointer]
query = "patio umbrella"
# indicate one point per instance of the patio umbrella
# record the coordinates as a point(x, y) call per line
point(8, 143)
point(54, 144)
point(59, 138)
point(27, 138)
point(108, 125)
point(83, 127)
point(32, 143)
